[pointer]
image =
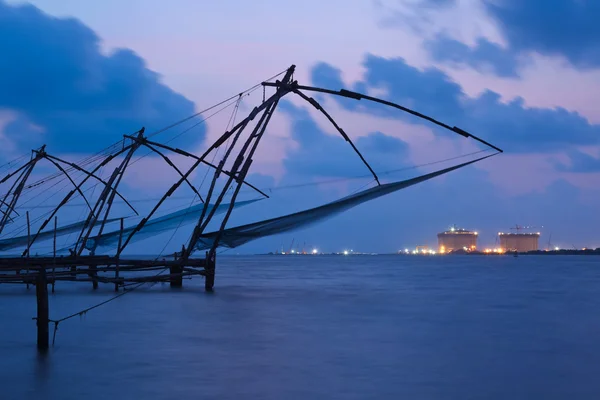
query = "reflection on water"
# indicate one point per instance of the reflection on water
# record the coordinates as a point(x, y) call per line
point(322, 327)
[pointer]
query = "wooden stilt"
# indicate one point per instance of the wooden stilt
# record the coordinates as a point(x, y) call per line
point(176, 279)
point(41, 291)
point(209, 281)
point(118, 257)
point(54, 255)
point(94, 275)
point(28, 240)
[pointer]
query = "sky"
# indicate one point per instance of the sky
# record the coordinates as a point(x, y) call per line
point(520, 74)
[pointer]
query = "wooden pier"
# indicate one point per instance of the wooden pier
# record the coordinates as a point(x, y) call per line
point(120, 272)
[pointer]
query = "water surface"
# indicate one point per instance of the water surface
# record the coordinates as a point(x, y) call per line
point(322, 327)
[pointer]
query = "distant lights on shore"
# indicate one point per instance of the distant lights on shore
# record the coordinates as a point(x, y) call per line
point(315, 251)
point(496, 250)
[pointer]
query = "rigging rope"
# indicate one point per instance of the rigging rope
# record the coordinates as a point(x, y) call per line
point(214, 106)
point(388, 172)
point(86, 310)
point(115, 147)
point(286, 187)
point(230, 123)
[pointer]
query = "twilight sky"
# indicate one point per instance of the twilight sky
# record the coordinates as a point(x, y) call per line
point(521, 74)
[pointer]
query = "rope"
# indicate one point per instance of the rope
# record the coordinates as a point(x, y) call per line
point(274, 189)
point(186, 130)
point(215, 106)
point(230, 123)
point(85, 311)
point(388, 172)
point(9, 163)
point(113, 148)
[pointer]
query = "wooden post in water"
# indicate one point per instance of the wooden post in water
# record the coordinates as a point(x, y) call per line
point(41, 292)
point(94, 274)
point(118, 257)
point(54, 255)
point(209, 279)
point(176, 279)
point(28, 243)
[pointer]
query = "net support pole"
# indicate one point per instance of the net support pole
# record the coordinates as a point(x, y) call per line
point(176, 273)
point(176, 278)
point(210, 270)
point(28, 241)
point(54, 254)
point(93, 273)
point(41, 292)
point(118, 258)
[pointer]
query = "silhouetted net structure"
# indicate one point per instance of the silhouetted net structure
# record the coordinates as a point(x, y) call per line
point(229, 159)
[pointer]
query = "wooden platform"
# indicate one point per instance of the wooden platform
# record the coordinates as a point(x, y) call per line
point(99, 269)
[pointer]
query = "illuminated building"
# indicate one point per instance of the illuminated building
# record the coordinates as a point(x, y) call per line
point(456, 239)
point(521, 242)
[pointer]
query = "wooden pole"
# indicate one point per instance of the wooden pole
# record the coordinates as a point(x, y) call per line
point(94, 274)
point(176, 279)
point(209, 279)
point(118, 257)
point(54, 254)
point(28, 241)
point(175, 271)
point(41, 291)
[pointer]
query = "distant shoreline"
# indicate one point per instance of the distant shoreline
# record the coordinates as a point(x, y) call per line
point(565, 252)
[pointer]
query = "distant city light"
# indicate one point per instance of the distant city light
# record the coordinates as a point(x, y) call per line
point(345, 252)
point(315, 251)
point(293, 251)
point(476, 233)
point(556, 248)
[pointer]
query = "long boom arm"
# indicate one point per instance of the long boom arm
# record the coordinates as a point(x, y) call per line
point(359, 96)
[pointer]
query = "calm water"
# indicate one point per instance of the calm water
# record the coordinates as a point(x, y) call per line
point(383, 327)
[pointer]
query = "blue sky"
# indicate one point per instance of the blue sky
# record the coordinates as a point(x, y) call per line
point(521, 74)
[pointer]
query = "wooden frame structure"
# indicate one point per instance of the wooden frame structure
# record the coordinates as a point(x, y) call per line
point(121, 271)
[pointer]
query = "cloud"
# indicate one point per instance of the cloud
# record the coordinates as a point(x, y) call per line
point(55, 78)
point(438, 3)
point(511, 125)
point(580, 162)
point(551, 27)
point(484, 57)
